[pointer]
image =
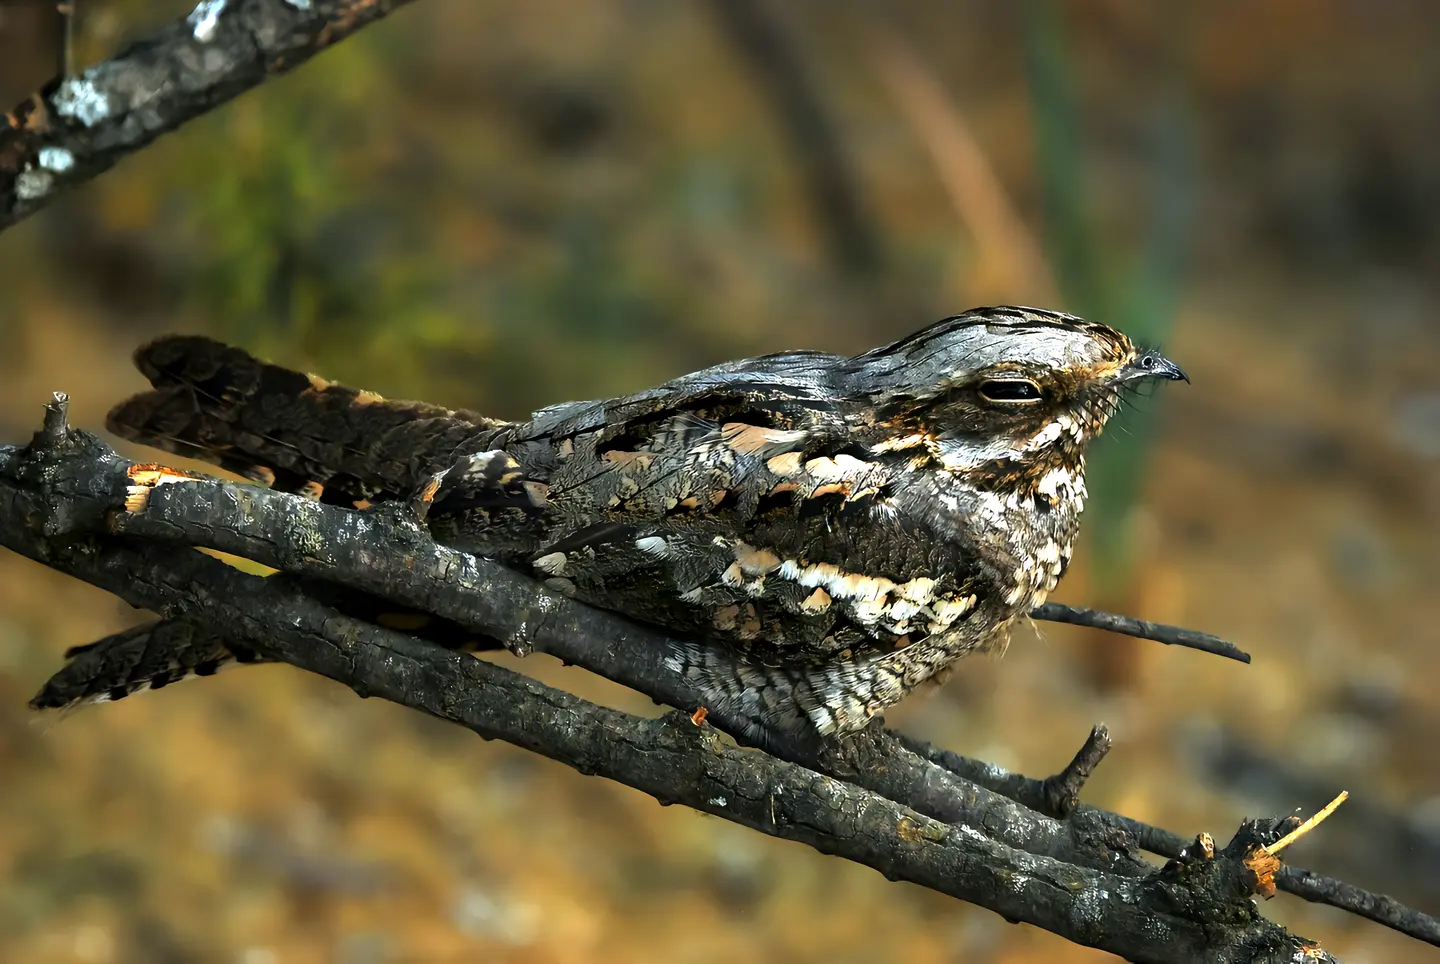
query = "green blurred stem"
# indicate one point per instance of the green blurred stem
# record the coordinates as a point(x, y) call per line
point(1142, 303)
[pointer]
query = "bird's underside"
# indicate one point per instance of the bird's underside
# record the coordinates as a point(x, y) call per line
point(829, 531)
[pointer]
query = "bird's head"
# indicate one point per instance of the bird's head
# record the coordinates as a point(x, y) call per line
point(1004, 393)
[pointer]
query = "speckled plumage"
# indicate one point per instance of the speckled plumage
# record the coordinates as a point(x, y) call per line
point(829, 531)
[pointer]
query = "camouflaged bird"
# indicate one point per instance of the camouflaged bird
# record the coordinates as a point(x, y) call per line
point(827, 532)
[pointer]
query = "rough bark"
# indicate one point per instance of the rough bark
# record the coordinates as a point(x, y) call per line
point(77, 127)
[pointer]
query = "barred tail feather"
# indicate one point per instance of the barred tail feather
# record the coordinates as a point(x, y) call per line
point(146, 657)
point(285, 428)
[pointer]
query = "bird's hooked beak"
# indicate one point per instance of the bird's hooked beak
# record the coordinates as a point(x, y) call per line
point(1152, 364)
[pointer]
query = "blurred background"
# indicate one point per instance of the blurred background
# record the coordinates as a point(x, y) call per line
point(499, 206)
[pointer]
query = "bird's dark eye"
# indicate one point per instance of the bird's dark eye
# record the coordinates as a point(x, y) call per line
point(1010, 391)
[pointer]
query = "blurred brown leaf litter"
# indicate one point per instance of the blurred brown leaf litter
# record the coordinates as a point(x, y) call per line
point(501, 206)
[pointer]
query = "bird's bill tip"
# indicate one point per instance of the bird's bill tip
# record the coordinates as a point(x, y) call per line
point(1152, 364)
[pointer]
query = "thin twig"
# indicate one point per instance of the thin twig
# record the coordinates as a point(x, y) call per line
point(1308, 825)
point(57, 412)
point(65, 54)
point(1380, 908)
point(1140, 628)
point(1062, 791)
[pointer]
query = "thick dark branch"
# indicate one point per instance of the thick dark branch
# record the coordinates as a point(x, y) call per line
point(669, 758)
point(52, 500)
point(384, 553)
point(77, 127)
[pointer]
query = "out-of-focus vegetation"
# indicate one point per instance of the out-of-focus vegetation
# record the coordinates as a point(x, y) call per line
point(504, 205)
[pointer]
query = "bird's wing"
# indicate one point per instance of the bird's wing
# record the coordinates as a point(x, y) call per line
point(731, 503)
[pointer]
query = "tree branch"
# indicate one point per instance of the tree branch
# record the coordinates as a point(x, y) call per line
point(1305, 884)
point(1062, 791)
point(56, 495)
point(385, 554)
point(78, 126)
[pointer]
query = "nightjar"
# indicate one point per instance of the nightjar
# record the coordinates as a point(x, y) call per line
point(826, 532)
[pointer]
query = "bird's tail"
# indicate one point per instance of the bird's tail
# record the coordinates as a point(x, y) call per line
point(145, 657)
point(159, 653)
point(296, 432)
